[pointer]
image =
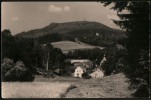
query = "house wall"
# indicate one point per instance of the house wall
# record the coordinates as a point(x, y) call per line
point(97, 74)
point(78, 72)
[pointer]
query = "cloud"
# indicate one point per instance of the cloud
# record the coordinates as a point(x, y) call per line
point(66, 8)
point(14, 18)
point(112, 16)
point(53, 8)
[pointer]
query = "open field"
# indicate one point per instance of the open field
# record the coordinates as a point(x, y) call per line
point(113, 86)
point(66, 46)
point(34, 89)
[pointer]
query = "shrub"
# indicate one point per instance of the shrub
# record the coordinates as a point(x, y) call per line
point(17, 72)
point(86, 76)
point(6, 65)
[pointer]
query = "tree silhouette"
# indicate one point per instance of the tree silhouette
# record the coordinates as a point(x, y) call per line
point(136, 24)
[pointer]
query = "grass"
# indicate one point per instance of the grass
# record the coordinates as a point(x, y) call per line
point(66, 46)
point(113, 86)
point(35, 89)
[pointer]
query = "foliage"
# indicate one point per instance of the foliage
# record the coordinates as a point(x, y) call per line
point(38, 54)
point(8, 45)
point(25, 50)
point(97, 37)
point(15, 72)
point(114, 57)
point(86, 75)
point(54, 37)
point(57, 58)
point(136, 23)
point(91, 54)
point(6, 65)
point(121, 65)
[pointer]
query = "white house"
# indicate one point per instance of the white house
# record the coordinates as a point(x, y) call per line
point(97, 73)
point(79, 70)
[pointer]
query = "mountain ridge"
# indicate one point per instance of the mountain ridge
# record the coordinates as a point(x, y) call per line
point(67, 27)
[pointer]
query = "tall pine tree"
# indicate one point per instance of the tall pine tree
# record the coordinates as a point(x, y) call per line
point(136, 24)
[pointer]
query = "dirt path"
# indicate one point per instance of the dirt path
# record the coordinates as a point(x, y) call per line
point(114, 86)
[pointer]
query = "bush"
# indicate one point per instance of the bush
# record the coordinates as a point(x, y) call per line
point(139, 93)
point(86, 76)
point(17, 72)
point(6, 65)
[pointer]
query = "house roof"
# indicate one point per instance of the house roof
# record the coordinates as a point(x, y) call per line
point(97, 69)
point(77, 60)
point(81, 66)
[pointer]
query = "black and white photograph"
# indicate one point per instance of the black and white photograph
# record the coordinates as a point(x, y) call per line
point(64, 49)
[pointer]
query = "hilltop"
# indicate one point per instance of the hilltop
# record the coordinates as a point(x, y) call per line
point(93, 33)
point(68, 27)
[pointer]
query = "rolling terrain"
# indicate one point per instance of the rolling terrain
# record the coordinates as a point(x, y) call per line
point(61, 34)
point(67, 46)
point(71, 27)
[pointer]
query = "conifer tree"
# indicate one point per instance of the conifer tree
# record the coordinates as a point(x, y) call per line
point(136, 24)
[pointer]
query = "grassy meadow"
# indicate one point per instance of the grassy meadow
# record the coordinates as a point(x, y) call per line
point(113, 86)
point(34, 89)
point(66, 46)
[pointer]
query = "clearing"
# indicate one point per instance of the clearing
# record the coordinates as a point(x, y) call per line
point(66, 46)
point(113, 86)
point(34, 89)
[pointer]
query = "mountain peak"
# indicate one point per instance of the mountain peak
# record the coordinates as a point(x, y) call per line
point(68, 27)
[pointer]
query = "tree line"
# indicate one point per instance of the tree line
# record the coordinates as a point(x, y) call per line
point(27, 53)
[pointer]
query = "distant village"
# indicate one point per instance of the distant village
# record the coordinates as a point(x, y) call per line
point(81, 68)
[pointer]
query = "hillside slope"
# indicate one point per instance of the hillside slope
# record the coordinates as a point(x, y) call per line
point(67, 46)
point(68, 27)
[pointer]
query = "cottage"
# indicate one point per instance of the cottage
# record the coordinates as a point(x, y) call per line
point(97, 73)
point(77, 67)
point(79, 70)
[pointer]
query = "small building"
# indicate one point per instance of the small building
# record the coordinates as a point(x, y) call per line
point(97, 73)
point(79, 70)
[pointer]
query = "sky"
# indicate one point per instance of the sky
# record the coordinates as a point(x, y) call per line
point(25, 16)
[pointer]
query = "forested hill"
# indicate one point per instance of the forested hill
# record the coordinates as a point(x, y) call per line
point(86, 31)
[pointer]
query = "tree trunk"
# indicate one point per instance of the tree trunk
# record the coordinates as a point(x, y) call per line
point(47, 62)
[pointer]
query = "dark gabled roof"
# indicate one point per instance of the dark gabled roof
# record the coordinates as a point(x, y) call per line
point(98, 67)
point(80, 66)
point(77, 60)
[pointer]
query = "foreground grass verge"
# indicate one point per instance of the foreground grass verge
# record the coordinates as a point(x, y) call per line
point(35, 89)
